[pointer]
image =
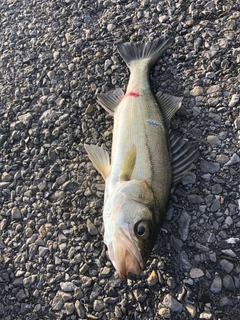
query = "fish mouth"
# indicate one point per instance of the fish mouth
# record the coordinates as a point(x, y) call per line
point(124, 254)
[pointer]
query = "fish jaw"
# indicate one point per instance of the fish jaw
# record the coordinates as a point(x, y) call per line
point(123, 252)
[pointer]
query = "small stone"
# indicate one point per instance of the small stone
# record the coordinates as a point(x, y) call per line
point(171, 303)
point(139, 295)
point(209, 167)
point(234, 100)
point(91, 228)
point(237, 123)
point(197, 91)
point(191, 309)
point(80, 309)
point(67, 286)
point(226, 302)
point(69, 308)
point(205, 315)
point(196, 273)
point(194, 198)
point(164, 313)
point(106, 272)
point(152, 279)
point(226, 265)
point(42, 251)
point(98, 305)
point(183, 225)
point(213, 140)
point(228, 283)
point(183, 260)
point(213, 90)
point(189, 179)
point(233, 160)
point(163, 18)
point(111, 27)
point(216, 285)
point(16, 214)
point(89, 108)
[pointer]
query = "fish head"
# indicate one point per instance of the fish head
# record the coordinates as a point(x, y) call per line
point(129, 233)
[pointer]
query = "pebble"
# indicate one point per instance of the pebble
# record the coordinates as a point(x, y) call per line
point(226, 265)
point(67, 286)
point(171, 303)
point(216, 285)
point(191, 309)
point(233, 160)
point(196, 273)
point(209, 166)
point(228, 283)
point(183, 225)
point(164, 313)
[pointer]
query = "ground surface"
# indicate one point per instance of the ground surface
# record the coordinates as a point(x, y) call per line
point(55, 57)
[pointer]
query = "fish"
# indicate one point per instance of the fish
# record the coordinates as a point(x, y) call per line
point(146, 160)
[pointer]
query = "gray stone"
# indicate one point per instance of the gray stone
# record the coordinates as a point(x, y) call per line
point(233, 160)
point(234, 100)
point(226, 302)
point(209, 166)
point(216, 285)
point(183, 225)
point(189, 178)
point(91, 228)
point(98, 305)
point(196, 273)
point(16, 214)
point(69, 308)
point(226, 265)
point(67, 286)
point(171, 303)
point(183, 260)
point(213, 140)
point(228, 283)
point(80, 309)
point(164, 313)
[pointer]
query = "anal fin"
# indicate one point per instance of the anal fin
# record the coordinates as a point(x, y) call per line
point(183, 155)
point(99, 158)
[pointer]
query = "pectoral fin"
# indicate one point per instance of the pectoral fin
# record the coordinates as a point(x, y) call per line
point(169, 104)
point(109, 101)
point(99, 158)
point(128, 164)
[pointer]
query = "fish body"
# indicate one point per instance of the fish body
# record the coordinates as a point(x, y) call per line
point(140, 176)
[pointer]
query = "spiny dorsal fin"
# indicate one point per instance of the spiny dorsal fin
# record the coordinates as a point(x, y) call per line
point(169, 104)
point(183, 155)
point(109, 101)
point(99, 158)
point(128, 164)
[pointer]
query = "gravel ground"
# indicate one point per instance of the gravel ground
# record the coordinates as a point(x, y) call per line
point(55, 57)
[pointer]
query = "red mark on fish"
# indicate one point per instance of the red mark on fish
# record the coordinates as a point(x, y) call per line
point(132, 94)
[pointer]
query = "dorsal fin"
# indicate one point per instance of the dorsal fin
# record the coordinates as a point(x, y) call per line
point(168, 104)
point(109, 101)
point(99, 158)
point(128, 164)
point(183, 155)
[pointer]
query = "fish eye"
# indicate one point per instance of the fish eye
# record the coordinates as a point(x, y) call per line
point(142, 230)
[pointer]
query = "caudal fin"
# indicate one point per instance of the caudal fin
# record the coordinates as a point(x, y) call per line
point(150, 51)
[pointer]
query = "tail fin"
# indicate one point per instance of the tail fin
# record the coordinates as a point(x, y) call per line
point(151, 51)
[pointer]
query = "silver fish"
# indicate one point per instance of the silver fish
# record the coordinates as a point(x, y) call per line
point(146, 160)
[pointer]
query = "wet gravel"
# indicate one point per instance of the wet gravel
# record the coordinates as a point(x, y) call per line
point(55, 57)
